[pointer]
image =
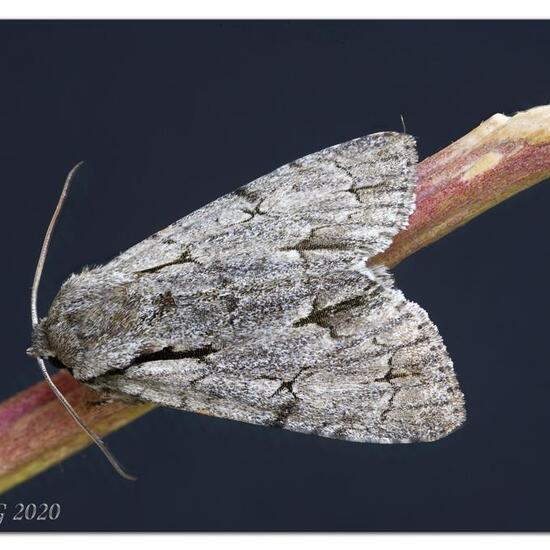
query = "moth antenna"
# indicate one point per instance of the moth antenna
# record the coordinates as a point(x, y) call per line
point(91, 434)
point(34, 316)
point(46, 243)
point(403, 123)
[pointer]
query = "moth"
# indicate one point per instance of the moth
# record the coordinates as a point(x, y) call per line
point(262, 307)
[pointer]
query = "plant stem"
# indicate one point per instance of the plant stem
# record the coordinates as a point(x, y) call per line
point(501, 157)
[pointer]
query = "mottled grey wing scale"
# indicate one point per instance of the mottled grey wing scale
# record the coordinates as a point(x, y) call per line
point(261, 307)
point(354, 196)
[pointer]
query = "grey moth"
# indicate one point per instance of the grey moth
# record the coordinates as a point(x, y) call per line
point(261, 307)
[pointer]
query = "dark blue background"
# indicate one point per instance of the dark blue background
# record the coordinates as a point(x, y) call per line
point(170, 115)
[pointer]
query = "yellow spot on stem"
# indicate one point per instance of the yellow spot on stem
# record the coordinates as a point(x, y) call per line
point(484, 163)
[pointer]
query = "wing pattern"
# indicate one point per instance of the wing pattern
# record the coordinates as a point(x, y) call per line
point(260, 307)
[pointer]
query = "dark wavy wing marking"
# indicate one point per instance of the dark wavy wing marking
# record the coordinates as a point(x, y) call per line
point(354, 196)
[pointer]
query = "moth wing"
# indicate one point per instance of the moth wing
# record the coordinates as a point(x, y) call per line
point(259, 307)
point(354, 196)
point(372, 368)
point(389, 378)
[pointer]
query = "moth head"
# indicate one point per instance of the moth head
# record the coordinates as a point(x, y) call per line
point(88, 324)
